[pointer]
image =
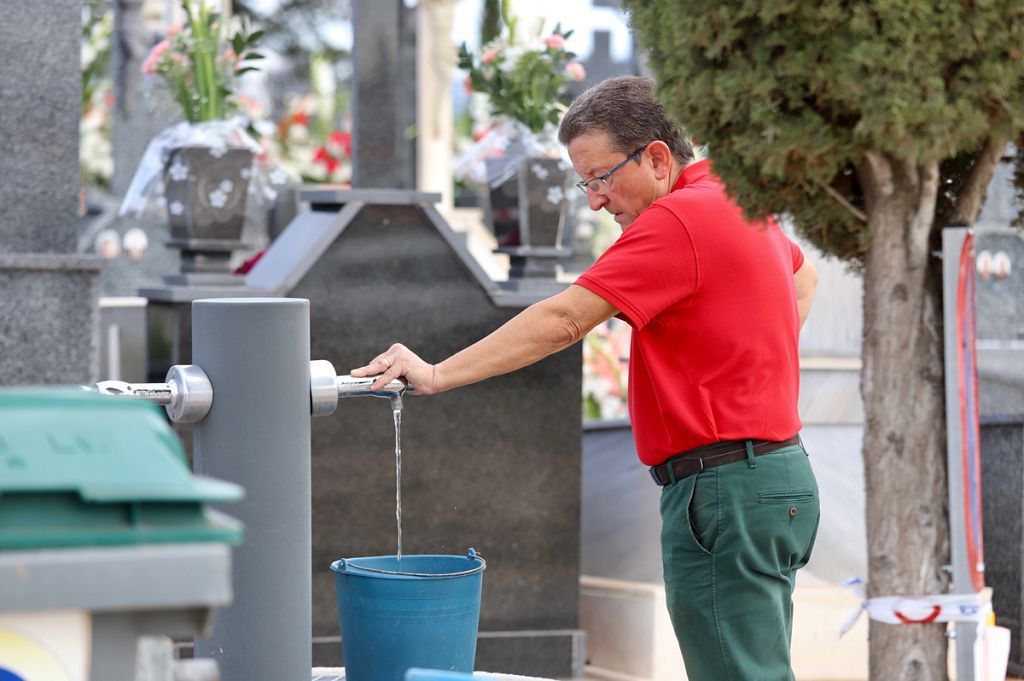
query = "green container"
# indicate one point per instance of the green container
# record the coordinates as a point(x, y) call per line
point(82, 469)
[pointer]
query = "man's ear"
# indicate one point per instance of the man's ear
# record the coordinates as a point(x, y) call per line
point(661, 158)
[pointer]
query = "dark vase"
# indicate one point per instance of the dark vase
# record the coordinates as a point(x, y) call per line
point(527, 212)
point(206, 189)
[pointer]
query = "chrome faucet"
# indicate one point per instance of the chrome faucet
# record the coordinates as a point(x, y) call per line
point(326, 388)
point(186, 395)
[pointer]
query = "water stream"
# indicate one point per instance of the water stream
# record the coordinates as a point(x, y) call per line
point(397, 413)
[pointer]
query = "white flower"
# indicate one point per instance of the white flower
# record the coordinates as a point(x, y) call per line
point(218, 150)
point(176, 208)
point(511, 58)
point(539, 171)
point(298, 134)
point(178, 171)
point(555, 195)
point(88, 54)
point(226, 186)
point(245, 173)
point(135, 243)
point(218, 199)
point(278, 176)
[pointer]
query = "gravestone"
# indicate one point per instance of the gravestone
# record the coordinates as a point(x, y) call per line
point(383, 94)
point(494, 466)
point(1002, 471)
point(1000, 297)
point(48, 313)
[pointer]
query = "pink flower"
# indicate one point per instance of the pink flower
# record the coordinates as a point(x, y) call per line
point(488, 56)
point(554, 41)
point(467, 84)
point(173, 30)
point(575, 70)
point(149, 66)
point(159, 49)
point(229, 56)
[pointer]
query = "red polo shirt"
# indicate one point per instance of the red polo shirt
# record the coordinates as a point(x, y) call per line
point(712, 304)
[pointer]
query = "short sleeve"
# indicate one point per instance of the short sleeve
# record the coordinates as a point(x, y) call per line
point(651, 267)
point(798, 255)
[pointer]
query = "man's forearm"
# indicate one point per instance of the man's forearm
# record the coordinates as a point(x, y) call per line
point(536, 332)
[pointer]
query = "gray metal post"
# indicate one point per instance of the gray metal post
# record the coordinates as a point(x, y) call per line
point(257, 434)
point(952, 243)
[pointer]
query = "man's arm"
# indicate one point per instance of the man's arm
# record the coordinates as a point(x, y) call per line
point(538, 331)
point(806, 280)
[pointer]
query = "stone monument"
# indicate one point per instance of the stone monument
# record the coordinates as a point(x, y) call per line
point(48, 314)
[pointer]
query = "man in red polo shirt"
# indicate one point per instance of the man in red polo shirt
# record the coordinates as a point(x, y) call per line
point(715, 304)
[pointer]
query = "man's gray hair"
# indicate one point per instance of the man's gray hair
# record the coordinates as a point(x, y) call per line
point(625, 109)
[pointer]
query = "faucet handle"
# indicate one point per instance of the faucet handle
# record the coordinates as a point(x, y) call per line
point(187, 395)
point(326, 387)
point(351, 386)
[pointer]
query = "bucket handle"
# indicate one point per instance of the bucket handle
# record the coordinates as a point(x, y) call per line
point(471, 554)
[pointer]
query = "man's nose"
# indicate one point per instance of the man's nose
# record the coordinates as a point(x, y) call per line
point(597, 200)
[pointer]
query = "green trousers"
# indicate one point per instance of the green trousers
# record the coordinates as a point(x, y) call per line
point(732, 540)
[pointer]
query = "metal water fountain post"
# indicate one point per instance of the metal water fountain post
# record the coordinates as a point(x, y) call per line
point(251, 395)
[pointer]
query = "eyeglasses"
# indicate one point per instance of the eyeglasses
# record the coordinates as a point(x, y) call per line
point(596, 184)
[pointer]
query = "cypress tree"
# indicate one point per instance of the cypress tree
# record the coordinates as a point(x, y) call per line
point(871, 124)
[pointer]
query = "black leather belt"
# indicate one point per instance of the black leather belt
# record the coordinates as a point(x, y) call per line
point(694, 461)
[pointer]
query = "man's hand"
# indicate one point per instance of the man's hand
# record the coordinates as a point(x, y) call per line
point(399, 361)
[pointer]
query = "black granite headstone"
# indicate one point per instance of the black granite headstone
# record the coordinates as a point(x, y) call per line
point(1002, 469)
point(494, 466)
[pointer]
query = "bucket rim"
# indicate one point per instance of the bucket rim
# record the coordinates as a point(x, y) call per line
point(345, 566)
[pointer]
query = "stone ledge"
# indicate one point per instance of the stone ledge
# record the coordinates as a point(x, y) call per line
point(51, 261)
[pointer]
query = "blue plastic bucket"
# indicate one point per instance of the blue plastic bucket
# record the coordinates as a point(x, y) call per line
point(425, 615)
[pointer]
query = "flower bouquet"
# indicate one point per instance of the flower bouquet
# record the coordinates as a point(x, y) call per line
point(306, 142)
point(202, 170)
point(524, 83)
point(605, 371)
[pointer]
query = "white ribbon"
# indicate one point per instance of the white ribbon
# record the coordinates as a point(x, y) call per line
point(916, 609)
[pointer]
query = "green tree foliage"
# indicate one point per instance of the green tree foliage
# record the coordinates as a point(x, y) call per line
point(791, 95)
point(873, 124)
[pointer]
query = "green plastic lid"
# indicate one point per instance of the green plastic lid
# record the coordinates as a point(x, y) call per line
point(82, 469)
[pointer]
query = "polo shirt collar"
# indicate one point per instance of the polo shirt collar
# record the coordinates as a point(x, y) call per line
point(692, 173)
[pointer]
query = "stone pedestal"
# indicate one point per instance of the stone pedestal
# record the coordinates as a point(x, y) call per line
point(48, 319)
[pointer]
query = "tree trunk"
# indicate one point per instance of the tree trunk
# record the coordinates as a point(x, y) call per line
point(904, 434)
